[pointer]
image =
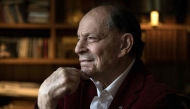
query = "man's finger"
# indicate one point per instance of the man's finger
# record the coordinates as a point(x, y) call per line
point(82, 75)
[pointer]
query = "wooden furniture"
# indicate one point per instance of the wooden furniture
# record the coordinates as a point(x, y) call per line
point(37, 69)
point(165, 43)
point(17, 69)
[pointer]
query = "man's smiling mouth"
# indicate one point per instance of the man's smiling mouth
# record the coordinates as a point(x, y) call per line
point(85, 61)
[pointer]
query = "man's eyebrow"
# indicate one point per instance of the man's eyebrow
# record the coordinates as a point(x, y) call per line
point(83, 34)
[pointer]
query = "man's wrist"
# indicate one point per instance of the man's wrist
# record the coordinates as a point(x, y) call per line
point(46, 104)
point(36, 106)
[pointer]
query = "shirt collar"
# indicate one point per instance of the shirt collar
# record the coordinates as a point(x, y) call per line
point(114, 86)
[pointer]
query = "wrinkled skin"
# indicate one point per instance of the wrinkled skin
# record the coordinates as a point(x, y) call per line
point(102, 55)
point(61, 82)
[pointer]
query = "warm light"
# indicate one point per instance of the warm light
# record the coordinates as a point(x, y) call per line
point(154, 18)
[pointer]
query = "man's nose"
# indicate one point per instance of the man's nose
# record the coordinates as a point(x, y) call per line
point(81, 47)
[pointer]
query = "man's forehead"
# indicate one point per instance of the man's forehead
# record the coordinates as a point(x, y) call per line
point(94, 21)
point(93, 17)
point(99, 13)
point(92, 24)
point(101, 10)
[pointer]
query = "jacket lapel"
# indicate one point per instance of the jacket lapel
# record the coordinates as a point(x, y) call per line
point(124, 98)
point(88, 92)
point(81, 98)
point(133, 83)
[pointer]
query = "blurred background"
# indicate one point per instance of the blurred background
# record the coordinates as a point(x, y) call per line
point(38, 36)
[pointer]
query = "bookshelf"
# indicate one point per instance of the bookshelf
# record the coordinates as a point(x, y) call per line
point(38, 69)
point(40, 61)
point(54, 29)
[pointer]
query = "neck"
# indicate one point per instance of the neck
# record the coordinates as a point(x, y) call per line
point(122, 65)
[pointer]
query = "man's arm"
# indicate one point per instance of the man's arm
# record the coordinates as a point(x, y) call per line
point(60, 83)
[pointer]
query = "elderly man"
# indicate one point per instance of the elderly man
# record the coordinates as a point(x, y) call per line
point(112, 74)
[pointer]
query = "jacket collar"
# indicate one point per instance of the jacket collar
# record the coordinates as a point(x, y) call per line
point(125, 96)
point(133, 83)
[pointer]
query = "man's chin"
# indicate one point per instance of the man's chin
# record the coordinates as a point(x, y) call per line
point(87, 72)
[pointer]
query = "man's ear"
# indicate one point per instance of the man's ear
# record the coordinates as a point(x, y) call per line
point(126, 44)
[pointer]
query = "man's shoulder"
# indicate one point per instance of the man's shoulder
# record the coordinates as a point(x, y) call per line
point(152, 84)
point(156, 94)
point(146, 81)
point(154, 87)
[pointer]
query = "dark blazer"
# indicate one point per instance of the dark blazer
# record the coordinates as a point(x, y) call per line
point(139, 90)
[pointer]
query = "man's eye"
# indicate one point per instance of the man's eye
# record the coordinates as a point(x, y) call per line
point(92, 39)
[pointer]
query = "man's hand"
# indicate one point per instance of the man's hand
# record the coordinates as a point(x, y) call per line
point(61, 82)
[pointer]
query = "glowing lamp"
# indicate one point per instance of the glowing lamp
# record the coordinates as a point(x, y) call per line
point(154, 18)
